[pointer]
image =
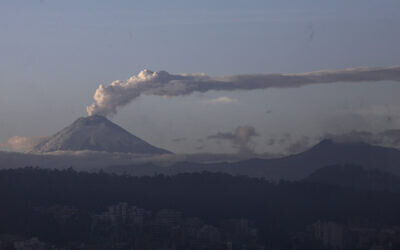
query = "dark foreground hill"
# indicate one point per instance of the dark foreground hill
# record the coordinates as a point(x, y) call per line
point(278, 210)
point(355, 177)
point(294, 167)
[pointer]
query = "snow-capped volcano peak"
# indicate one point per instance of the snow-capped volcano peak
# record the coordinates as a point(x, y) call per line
point(96, 133)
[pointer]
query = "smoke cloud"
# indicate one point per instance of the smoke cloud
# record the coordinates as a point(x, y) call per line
point(241, 138)
point(107, 99)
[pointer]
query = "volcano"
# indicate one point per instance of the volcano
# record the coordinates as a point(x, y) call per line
point(96, 133)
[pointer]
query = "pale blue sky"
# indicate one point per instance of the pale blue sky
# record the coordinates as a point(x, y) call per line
point(54, 54)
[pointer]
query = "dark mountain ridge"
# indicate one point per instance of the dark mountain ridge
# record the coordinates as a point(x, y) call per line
point(294, 167)
point(355, 177)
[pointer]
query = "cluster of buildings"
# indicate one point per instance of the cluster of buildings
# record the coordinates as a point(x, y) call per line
point(130, 226)
point(12, 242)
point(126, 227)
point(353, 235)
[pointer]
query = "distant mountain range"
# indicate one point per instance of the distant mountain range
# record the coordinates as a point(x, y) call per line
point(107, 146)
point(96, 133)
point(294, 167)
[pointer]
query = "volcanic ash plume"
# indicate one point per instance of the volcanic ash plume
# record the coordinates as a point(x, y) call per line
point(119, 93)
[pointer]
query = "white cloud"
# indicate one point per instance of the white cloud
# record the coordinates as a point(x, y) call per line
point(220, 100)
point(21, 143)
point(241, 138)
point(386, 138)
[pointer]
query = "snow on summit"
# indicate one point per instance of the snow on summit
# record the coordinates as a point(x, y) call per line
point(96, 133)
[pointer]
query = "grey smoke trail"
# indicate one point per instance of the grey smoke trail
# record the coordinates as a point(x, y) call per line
point(119, 93)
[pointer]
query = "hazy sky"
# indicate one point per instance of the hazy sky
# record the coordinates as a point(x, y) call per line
point(54, 54)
